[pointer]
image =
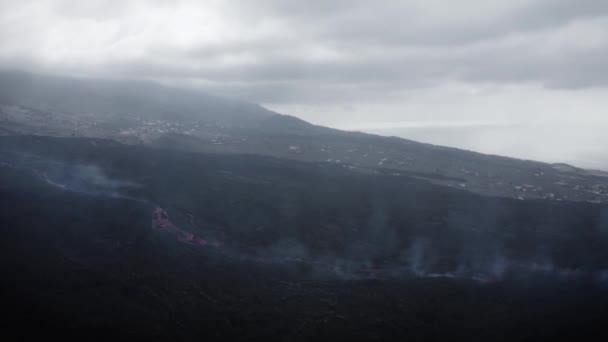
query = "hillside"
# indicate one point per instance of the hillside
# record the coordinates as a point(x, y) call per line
point(142, 113)
point(321, 211)
point(291, 249)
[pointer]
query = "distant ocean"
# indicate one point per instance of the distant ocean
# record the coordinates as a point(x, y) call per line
point(580, 145)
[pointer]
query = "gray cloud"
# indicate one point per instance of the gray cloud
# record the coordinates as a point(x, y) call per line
point(280, 49)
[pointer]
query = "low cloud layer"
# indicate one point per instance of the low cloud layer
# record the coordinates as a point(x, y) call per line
point(268, 45)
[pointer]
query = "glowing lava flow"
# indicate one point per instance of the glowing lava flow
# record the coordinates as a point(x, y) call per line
point(161, 221)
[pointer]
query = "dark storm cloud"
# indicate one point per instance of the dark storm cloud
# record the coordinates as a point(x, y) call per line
point(424, 22)
point(576, 69)
point(286, 51)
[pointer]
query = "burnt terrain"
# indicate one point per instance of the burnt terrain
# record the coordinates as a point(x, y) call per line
point(293, 251)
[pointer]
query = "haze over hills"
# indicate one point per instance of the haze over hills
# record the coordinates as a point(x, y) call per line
point(121, 100)
point(145, 113)
point(578, 143)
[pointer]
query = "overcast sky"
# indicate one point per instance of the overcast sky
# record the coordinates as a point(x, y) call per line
point(526, 78)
